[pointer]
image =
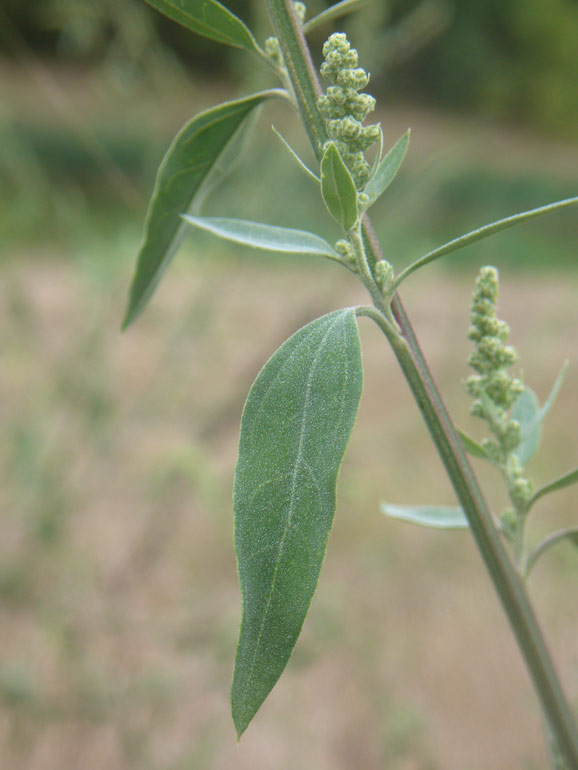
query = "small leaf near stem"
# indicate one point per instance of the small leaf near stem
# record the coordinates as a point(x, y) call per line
point(549, 403)
point(482, 232)
point(437, 516)
point(570, 534)
point(295, 157)
point(338, 189)
point(387, 170)
point(563, 481)
point(526, 411)
point(473, 447)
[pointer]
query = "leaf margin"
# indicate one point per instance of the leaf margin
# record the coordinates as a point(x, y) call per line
point(243, 714)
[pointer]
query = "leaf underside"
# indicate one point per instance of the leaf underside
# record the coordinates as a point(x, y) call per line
point(193, 155)
point(208, 18)
point(438, 516)
point(269, 237)
point(295, 428)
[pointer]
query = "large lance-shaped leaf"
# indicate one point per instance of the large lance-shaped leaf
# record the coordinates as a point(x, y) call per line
point(294, 431)
point(209, 19)
point(194, 153)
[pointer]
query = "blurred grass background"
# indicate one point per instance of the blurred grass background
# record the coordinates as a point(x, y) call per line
point(118, 591)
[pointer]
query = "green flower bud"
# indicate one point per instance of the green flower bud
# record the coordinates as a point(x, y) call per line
point(273, 50)
point(346, 252)
point(383, 275)
point(300, 10)
point(509, 524)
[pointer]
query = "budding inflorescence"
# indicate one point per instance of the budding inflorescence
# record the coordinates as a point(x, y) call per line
point(495, 390)
point(492, 387)
point(345, 109)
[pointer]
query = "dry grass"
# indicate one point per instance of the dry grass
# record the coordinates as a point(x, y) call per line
point(117, 576)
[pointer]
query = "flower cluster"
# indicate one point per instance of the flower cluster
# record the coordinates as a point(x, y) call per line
point(495, 392)
point(493, 388)
point(345, 109)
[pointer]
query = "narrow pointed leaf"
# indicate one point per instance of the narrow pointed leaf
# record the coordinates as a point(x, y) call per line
point(549, 403)
point(303, 166)
point(563, 481)
point(387, 169)
point(208, 18)
point(570, 535)
point(482, 232)
point(190, 159)
point(338, 188)
point(438, 516)
point(472, 446)
point(294, 431)
point(269, 237)
point(526, 411)
point(334, 12)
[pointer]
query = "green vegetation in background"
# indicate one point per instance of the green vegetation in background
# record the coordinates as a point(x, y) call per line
point(511, 59)
point(52, 186)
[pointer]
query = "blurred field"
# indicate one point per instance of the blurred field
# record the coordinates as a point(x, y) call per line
point(117, 577)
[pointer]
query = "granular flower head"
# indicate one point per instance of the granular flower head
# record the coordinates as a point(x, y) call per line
point(345, 109)
point(493, 388)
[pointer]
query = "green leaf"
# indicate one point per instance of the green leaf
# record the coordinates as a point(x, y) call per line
point(526, 411)
point(295, 157)
point(570, 534)
point(338, 188)
point(294, 431)
point(208, 18)
point(334, 12)
point(549, 403)
point(563, 481)
point(472, 446)
point(194, 153)
point(439, 516)
point(269, 237)
point(482, 232)
point(530, 415)
point(387, 169)
point(228, 160)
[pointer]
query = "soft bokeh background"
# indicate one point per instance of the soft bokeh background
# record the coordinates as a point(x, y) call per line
point(118, 597)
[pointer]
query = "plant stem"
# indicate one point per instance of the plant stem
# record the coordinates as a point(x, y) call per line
point(507, 583)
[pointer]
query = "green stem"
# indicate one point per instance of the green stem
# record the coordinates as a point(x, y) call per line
point(407, 351)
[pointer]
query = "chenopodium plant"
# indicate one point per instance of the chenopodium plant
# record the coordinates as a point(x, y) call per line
point(300, 411)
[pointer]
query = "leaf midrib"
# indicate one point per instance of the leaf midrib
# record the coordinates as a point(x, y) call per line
point(291, 498)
